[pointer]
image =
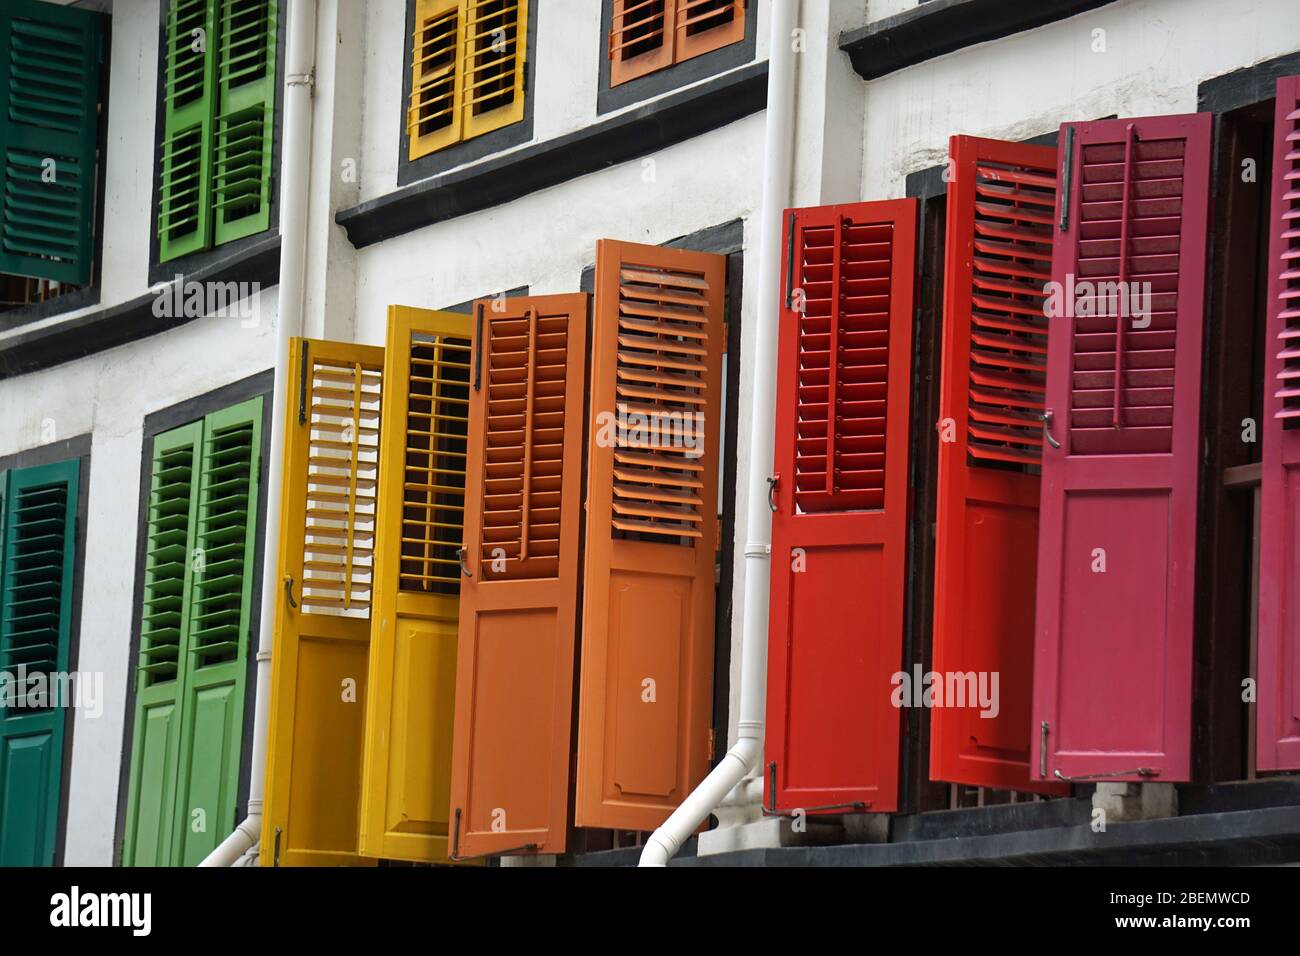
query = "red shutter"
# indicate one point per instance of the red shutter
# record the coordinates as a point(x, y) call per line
point(1278, 717)
point(518, 601)
point(1113, 647)
point(840, 528)
point(1001, 200)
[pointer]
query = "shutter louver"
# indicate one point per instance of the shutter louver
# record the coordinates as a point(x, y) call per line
point(185, 192)
point(319, 688)
point(651, 532)
point(492, 85)
point(1287, 259)
point(34, 574)
point(518, 601)
point(168, 556)
point(50, 60)
point(433, 117)
point(640, 38)
point(706, 25)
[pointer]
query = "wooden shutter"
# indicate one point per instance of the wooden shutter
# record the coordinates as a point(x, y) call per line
point(493, 50)
point(703, 26)
point(407, 778)
point(1001, 226)
point(323, 608)
point(1113, 647)
point(651, 535)
point(50, 61)
point(433, 118)
point(839, 533)
point(519, 595)
point(37, 560)
point(189, 86)
point(1278, 718)
point(640, 38)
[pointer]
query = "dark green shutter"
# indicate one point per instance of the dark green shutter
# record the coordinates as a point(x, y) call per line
point(195, 636)
point(50, 60)
point(36, 584)
point(185, 192)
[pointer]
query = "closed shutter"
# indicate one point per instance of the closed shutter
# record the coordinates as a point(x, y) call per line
point(37, 558)
point(519, 594)
point(1278, 721)
point(839, 533)
point(433, 117)
point(706, 25)
point(1117, 528)
point(323, 608)
point(407, 779)
point(189, 89)
point(652, 533)
point(640, 38)
point(1001, 226)
point(50, 61)
point(194, 651)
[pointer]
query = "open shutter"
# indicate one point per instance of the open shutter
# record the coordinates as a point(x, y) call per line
point(323, 607)
point(702, 26)
point(519, 596)
point(1117, 529)
point(189, 86)
point(652, 533)
point(244, 121)
point(39, 546)
point(839, 533)
point(1001, 225)
point(407, 778)
point(494, 45)
point(1278, 718)
point(169, 549)
point(640, 38)
point(50, 61)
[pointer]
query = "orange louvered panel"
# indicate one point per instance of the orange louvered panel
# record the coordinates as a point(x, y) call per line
point(706, 25)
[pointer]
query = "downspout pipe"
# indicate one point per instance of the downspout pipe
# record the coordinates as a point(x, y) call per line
point(299, 70)
point(778, 153)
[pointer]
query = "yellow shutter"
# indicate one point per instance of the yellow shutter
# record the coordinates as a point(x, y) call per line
point(494, 44)
point(406, 790)
point(322, 635)
point(433, 116)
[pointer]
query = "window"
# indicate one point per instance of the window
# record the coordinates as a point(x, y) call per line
point(467, 71)
point(649, 35)
point(217, 111)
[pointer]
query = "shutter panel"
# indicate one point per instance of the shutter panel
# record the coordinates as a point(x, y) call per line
point(433, 118)
point(50, 60)
point(243, 131)
point(1121, 491)
point(215, 655)
point(322, 637)
point(164, 620)
point(1278, 723)
point(839, 533)
point(1001, 226)
point(652, 534)
point(493, 52)
point(640, 38)
point(518, 603)
point(39, 549)
point(185, 191)
point(406, 793)
point(703, 26)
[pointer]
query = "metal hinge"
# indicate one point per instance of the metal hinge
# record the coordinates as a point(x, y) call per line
point(478, 349)
point(302, 385)
point(275, 855)
point(1067, 174)
point(789, 264)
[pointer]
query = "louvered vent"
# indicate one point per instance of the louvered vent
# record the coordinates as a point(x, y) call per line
point(239, 167)
point(46, 75)
point(843, 366)
point(437, 417)
point(164, 592)
point(637, 28)
point(492, 47)
point(1008, 348)
point(224, 523)
point(185, 58)
point(41, 215)
point(342, 483)
point(658, 468)
point(696, 16)
point(245, 26)
point(34, 587)
point(433, 101)
point(1289, 377)
point(182, 186)
point(527, 361)
point(1122, 381)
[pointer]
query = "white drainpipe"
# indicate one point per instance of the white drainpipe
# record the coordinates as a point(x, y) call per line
point(300, 65)
point(778, 150)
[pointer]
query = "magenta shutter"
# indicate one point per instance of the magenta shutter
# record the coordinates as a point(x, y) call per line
point(1117, 539)
point(1278, 717)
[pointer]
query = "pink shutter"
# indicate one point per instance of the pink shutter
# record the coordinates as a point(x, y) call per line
point(1278, 716)
point(1117, 533)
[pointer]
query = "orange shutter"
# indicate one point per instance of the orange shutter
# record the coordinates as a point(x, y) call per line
point(703, 26)
point(652, 532)
point(640, 38)
point(519, 596)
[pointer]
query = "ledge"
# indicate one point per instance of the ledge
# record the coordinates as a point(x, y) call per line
point(945, 26)
point(638, 132)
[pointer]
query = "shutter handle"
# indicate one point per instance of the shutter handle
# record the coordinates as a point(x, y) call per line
point(1046, 419)
point(288, 590)
point(771, 492)
point(464, 569)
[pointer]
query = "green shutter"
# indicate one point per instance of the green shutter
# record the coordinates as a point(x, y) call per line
point(241, 169)
point(195, 636)
point(36, 584)
point(50, 60)
point(185, 191)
